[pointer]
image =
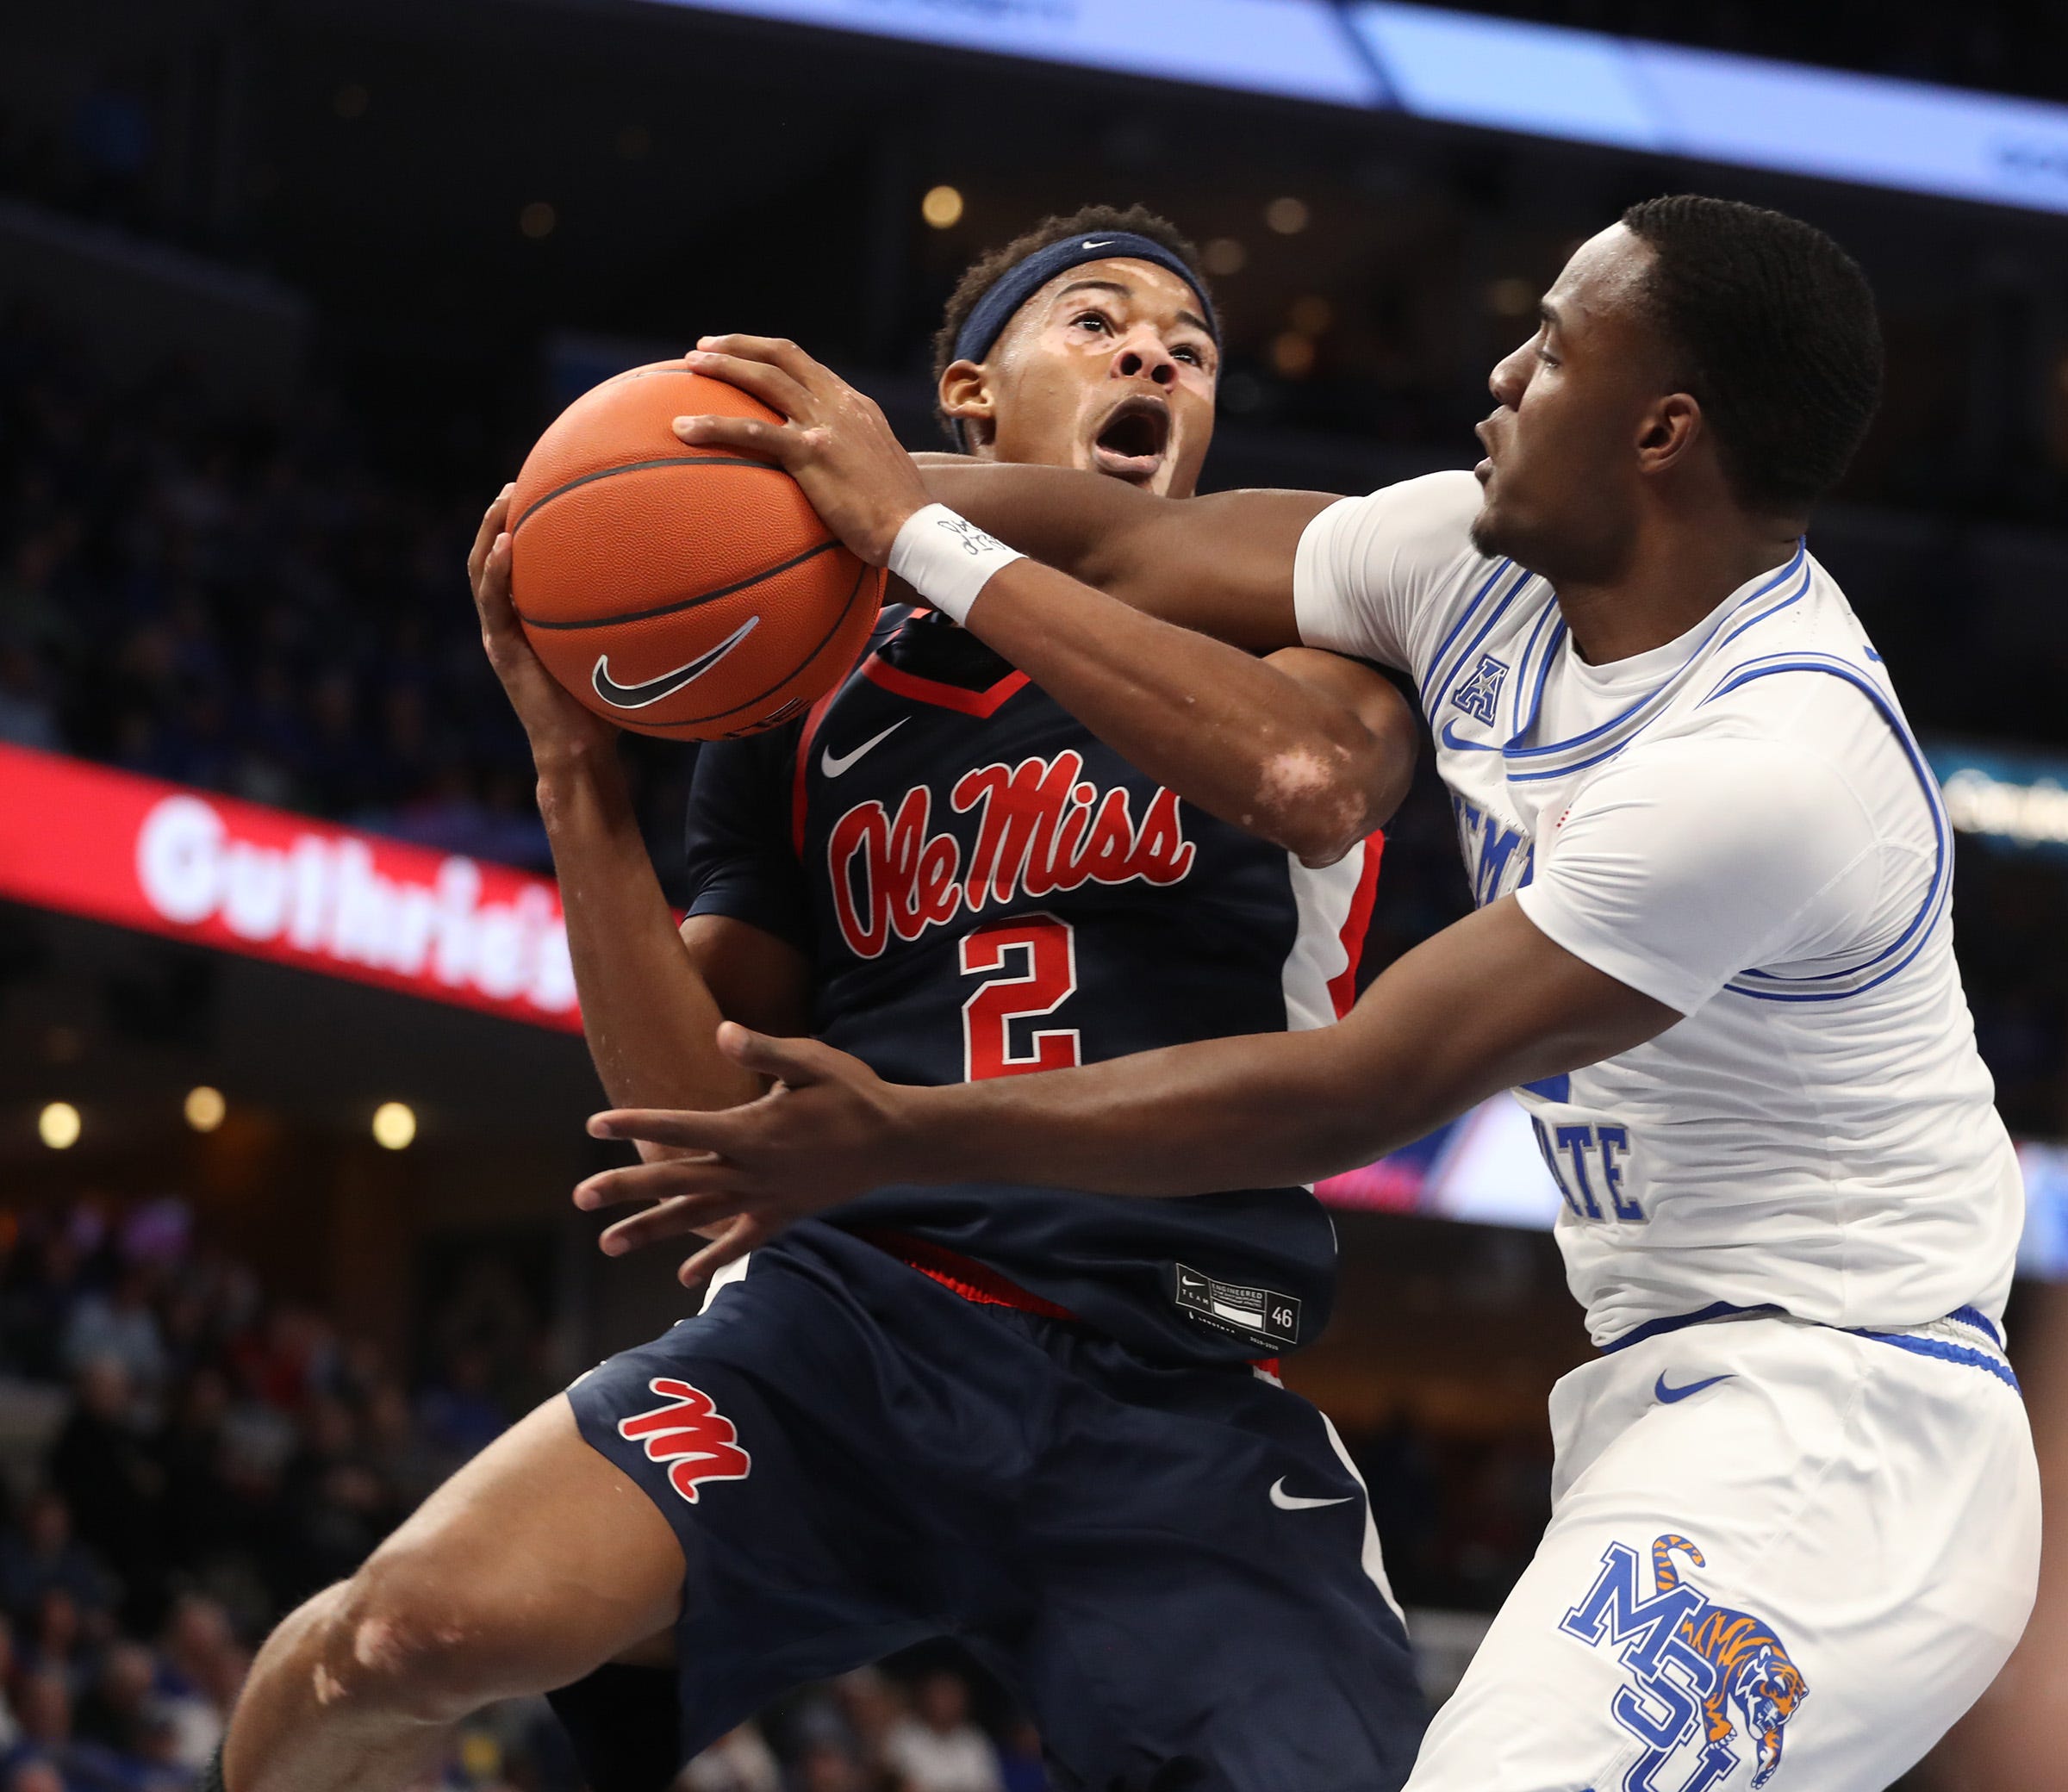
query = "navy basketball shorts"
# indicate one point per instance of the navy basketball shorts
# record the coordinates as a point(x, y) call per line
point(1172, 1567)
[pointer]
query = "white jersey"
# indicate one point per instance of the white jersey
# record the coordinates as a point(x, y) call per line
point(1738, 824)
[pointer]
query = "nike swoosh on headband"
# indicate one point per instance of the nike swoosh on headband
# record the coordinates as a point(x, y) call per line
point(833, 764)
point(1669, 1395)
point(639, 696)
point(1295, 1503)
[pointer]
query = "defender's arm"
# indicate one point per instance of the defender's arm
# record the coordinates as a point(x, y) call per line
point(1221, 564)
point(1307, 749)
point(1676, 869)
point(1284, 757)
point(1487, 1003)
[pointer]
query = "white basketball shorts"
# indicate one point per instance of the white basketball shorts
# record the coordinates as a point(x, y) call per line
point(1780, 1556)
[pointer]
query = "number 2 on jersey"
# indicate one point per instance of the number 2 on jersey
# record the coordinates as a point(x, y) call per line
point(1042, 952)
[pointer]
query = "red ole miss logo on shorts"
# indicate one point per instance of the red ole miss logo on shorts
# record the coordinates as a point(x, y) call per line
point(691, 1436)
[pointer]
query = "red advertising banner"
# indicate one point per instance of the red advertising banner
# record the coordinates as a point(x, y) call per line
point(194, 866)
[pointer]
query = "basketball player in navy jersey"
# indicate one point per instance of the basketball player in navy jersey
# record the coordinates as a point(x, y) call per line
point(1045, 1423)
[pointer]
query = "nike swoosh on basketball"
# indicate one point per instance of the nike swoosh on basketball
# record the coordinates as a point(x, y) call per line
point(1292, 1503)
point(1669, 1395)
point(833, 764)
point(639, 696)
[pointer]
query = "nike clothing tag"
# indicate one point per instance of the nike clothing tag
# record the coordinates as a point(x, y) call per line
point(1260, 1314)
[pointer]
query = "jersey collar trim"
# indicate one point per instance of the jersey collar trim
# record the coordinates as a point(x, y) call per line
point(901, 684)
point(1557, 759)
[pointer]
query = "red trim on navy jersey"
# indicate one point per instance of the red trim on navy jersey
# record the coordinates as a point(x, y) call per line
point(964, 1276)
point(942, 696)
point(1342, 987)
point(806, 734)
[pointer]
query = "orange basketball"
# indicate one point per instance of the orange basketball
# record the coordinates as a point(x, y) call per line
point(688, 592)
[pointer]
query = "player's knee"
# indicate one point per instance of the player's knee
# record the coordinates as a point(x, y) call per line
point(402, 1638)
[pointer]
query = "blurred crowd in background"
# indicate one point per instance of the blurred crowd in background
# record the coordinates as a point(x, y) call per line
point(250, 608)
point(184, 1455)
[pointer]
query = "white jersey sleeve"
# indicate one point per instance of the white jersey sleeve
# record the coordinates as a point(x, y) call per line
point(1691, 860)
point(1372, 573)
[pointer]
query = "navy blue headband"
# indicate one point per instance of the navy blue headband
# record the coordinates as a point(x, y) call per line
point(1019, 282)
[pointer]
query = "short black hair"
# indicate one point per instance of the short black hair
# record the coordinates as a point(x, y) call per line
point(1775, 327)
point(984, 272)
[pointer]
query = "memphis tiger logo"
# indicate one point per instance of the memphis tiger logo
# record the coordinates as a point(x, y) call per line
point(1711, 1686)
point(689, 1433)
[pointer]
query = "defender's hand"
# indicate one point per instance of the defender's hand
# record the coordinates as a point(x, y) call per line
point(556, 723)
point(830, 1130)
point(836, 443)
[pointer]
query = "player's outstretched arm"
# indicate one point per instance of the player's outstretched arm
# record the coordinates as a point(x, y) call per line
point(1284, 757)
point(651, 1000)
point(1489, 1003)
point(1221, 564)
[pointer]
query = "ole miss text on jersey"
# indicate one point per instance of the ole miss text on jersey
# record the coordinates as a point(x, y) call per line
point(981, 889)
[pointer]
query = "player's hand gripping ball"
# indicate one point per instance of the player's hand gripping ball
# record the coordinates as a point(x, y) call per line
point(687, 592)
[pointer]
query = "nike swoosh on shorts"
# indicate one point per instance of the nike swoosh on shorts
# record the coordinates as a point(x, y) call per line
point(1667, 1396)
point(1292, 1503)
point(637, 696)
point(832, 764)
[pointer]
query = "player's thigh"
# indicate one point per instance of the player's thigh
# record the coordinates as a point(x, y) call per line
point(813, 1439)
point(537, 1561)
point(1800, 1578)
point(1212, 1611)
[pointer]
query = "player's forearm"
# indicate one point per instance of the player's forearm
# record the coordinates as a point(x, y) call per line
point(1240, 738)
point(648, 1017)
point(1486, 1004)
point(1258, 1111)
point(1073, 521)
point(1222, 564)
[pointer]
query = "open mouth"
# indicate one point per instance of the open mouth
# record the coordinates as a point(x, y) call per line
point(1130, 444)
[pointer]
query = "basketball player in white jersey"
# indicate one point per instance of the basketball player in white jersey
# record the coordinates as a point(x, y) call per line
point(1795, 1519)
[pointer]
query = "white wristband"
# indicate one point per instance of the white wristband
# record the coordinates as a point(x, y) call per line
point(947, 559)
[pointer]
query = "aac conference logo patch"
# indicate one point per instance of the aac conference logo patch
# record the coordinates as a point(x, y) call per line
point(690, 1434)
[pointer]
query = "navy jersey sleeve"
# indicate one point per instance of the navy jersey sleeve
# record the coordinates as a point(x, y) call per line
point(742, 862)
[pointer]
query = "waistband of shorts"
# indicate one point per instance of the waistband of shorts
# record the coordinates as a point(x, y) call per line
point(980, 1284)
point(974, 1281)
point(1966, 1336)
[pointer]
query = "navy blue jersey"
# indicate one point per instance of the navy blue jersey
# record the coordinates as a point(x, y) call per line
point(982, 888)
